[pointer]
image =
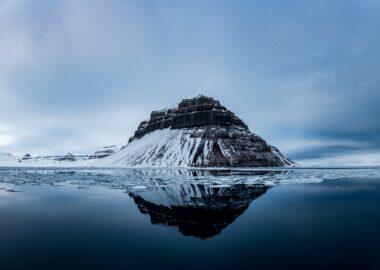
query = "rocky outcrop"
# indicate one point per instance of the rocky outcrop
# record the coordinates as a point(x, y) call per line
point(191, 113)
point(198, 132)
point(26, 157)
point(104, 152)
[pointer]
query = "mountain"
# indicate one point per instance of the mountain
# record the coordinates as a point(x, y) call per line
point(7, 159)
point(54, 160)
point(197, 132)
point(68, 160)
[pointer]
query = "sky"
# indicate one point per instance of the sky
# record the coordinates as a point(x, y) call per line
point(79, 75)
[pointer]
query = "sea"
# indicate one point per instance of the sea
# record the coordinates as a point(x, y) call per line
point(272, 218)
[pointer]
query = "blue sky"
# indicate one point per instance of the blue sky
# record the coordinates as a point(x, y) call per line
point(77, 75)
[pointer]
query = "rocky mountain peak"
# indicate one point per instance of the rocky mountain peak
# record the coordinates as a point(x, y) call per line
point(200, 111)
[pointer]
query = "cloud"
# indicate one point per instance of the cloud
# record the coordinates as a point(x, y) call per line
point(347, 159)
point(69, 133)
point(75, 75)
point(300, 145)
point(5, 137)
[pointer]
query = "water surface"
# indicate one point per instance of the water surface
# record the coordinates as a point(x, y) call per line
point(188, 219)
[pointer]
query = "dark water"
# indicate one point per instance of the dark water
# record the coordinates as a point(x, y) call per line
point(54, 219)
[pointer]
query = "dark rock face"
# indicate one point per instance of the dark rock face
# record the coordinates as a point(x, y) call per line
point(68, 157)
point(204, 111)
point(105, 152)
point(225, 140)
point(241, 149)
point(190, 113)
point(26, 157)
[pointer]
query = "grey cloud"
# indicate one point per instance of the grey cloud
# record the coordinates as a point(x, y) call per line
point(290, 69)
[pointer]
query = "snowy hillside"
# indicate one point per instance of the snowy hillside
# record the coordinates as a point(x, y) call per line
point(181, 148)
point(161, 148)
point(7, 159)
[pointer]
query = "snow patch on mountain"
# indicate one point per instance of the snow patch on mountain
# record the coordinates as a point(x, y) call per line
point(161, 148)
point(179, 148)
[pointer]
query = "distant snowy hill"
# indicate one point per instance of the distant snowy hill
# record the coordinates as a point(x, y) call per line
point(199, 132)
point(7, 159)
point(68, 160)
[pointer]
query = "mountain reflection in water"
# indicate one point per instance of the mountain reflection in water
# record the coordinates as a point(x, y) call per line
point(199, 210)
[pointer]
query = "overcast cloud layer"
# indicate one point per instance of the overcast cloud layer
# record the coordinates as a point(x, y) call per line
point(77, 75)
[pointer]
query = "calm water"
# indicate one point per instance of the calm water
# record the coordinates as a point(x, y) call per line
point(132, 219)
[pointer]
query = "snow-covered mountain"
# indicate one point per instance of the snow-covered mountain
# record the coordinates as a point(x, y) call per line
point(199, 132)
point(7, 159)
point(67, 160)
